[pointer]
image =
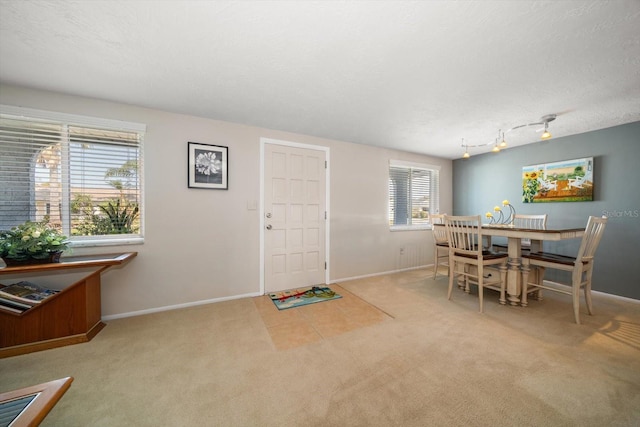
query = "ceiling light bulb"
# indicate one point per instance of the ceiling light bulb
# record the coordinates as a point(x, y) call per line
point(495, 149)
point(546, 134)
point(466, 154)
point(503, 144)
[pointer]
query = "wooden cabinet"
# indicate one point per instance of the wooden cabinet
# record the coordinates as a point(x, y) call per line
point(71, 316)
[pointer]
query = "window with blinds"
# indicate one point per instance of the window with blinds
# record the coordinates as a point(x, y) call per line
point(80, 174)
point(413, 194)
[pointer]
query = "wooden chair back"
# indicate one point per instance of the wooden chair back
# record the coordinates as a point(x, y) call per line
point(591, 239)
point(439, 233)
point(440, 244)
point(538, 222)
point(436, 218)
point(464, 234)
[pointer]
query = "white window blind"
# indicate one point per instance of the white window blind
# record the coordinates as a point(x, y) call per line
point(81, 174)
point(413, 194)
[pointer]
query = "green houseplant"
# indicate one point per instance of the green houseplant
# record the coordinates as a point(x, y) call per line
point(32, 243)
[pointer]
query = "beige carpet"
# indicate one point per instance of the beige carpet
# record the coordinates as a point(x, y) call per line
point(428, 362)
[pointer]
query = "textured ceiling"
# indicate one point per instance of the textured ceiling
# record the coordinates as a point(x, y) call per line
point(416, 76)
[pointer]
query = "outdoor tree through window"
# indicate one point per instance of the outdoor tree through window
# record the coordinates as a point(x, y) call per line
point(84, 179)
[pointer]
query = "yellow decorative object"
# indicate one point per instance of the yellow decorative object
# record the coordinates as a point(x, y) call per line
point(501, 220)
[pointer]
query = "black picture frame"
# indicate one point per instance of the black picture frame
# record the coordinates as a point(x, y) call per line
point(208, 166)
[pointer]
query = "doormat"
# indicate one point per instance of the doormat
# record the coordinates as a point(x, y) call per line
point(302, 296)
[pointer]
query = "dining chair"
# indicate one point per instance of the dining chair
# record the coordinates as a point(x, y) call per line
point(467, 256)
point(580, 267)
point(538, 222)
point(440, 243)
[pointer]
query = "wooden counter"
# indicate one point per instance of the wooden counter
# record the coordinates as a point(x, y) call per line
point(71, 316)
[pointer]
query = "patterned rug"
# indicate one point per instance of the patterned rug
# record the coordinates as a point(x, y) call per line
point(302, 296)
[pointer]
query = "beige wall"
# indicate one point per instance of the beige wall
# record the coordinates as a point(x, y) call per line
point(204, 245)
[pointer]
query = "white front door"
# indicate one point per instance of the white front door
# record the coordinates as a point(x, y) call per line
point(294, 217)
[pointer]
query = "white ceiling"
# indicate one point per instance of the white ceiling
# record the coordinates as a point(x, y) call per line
point(416, 76)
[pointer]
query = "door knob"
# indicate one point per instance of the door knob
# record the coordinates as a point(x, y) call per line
point(269, 227)
point(268, 215)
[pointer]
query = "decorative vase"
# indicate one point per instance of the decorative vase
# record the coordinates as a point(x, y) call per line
point(53, 257)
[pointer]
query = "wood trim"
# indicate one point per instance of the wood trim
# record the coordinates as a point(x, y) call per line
point(48, 394)
point(17, 350)
point(73, 262)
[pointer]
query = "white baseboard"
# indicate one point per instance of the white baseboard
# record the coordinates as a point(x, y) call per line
point(344, 279)
point(627, 299)
point(177, 306)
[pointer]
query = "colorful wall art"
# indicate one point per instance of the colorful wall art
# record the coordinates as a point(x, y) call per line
point(564, 181)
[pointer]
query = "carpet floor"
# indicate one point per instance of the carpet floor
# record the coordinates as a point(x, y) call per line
point(414, 359)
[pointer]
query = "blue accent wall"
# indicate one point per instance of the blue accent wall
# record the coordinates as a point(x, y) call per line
point(485, 180)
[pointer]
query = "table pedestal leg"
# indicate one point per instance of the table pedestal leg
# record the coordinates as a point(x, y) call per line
point(525, 280)
point(513, 274)
point(513, 281)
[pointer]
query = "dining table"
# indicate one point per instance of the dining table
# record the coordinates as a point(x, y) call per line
point(514, 237)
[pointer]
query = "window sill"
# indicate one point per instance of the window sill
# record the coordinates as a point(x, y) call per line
point(106, 242)
point(410, 227)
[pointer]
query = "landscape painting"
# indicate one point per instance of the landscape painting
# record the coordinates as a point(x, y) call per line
point(564, 181)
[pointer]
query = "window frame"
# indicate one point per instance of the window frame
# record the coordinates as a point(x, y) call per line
point(67, 120)
point(434, 193)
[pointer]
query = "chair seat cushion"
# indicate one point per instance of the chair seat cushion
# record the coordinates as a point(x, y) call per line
point(486, 255)
point(550, 257)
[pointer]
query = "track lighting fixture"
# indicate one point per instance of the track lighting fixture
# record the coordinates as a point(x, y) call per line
point(466, 154)
point(495, 148)
point(544, 120)
point(503, 144)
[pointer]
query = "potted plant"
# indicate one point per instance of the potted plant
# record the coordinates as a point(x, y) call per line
point(32, 243)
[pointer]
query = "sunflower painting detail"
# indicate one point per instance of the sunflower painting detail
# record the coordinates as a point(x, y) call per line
point(208, 166)
point(530, 186)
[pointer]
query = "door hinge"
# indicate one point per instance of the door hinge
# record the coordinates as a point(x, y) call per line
point(325, 214)
point(325, 164)
point(325, 265)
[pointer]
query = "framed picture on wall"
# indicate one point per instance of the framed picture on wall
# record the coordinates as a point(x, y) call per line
point(208, 166)
point(564, 181)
